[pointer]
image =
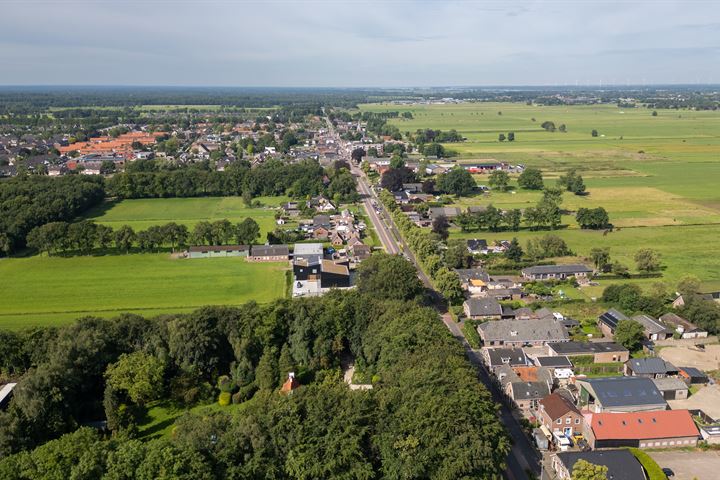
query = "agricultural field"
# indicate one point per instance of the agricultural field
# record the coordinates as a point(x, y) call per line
point(657, 176)
point(36, 290)
point(143, 213)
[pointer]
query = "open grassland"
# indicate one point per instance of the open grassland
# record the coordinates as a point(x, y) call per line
point(143, 213)
point(658, 177)
point(44, 290)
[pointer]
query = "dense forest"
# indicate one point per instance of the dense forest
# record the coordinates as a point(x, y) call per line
point(426, 417)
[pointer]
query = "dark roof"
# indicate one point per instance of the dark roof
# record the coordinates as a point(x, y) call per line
point(219, 248)
point(269, 250)
point(507, 356)
point(555, 362)
point(556, 269)
point(624, 391)
point(694, 372)
point(556, 406)
point(621, 464)
point(612, 317)
point(651, 325)
point(483, 306)
point(321, 221)
point(650, 366)
point(675, 320)
point(467, 274)
point(586, 348)
point(525, 331)
point(477, 244)
point(529, 390)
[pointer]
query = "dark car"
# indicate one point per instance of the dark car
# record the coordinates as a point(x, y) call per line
point(668, 472)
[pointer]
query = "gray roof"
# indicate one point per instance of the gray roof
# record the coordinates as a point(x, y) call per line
point(669, 383)
point(507, 356)
point(269, 250)
point(545, 330)
point(483, 307)
point(555, 362)
point(622, 465)
point(448, 212)
point(650, 366)
point(219, 248)
point(308, 249)
point(651, 325)
point(625, 391)
point(467, 274)
point(530, 390)
point(586, 348)
point(557, 269)
point(612, 317)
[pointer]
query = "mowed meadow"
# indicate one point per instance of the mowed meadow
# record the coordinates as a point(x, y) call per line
point(42, 290)
point(658, 176)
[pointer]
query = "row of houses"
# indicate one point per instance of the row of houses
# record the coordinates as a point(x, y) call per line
point(667, 326)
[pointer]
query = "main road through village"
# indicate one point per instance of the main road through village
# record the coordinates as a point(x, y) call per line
point(523, 457)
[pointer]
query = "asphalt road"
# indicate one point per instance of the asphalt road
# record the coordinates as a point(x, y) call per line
point(523, 457)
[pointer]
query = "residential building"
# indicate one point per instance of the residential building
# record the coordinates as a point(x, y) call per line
point(334, 275)
point(477, 246)
point(513, 357)
point(682, 326)
point(211, 251)
point(619, 394)
point(447, 212)
point(473, 280)
point(653, 329)
point(553, 362)
point(650, 367)
point(269, 253)
point(482, 309)
point(556, 272)
point(527, 395)
point(661, 429)
point(522, 332)
point(560, 415)
point(602, 352)
point(609, 320)
point(621, 464)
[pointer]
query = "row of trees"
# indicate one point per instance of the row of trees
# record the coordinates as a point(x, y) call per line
point(322, 430)
point(84, 236)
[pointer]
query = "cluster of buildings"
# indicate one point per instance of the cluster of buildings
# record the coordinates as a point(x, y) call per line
point(668, 326)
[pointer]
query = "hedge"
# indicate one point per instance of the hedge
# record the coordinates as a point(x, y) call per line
point(651, 467)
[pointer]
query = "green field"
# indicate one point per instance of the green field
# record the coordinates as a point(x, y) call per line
point(44, 290)
point(143, 213)
point(658, 177)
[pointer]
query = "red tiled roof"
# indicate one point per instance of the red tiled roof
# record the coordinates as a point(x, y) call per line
point(643, 425)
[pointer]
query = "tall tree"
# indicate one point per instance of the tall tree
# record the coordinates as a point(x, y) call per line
point(584, 470)
point(647, 260)
point(499, 180)
point(247, 232)
point(531, 179)
point(125, 238)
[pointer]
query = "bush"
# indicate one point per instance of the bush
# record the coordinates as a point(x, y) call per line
point(225, 384)
point(471, 334)
point(224, 399)
point(245, 393)
point(653, 470)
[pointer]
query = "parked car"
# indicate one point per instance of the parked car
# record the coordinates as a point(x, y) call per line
point(668, 472)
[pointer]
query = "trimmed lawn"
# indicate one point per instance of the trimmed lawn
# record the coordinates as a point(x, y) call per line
point(44, 290)
point(143, 213)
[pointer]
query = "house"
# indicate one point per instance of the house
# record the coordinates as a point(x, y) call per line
point(308, 251)
point(447, 212)
point(320, 204)
point(556, 272)
point(290, 384)
point(482, 309)
point(672, 388)
point(693, 376)
point(553, 362)
point(527, 395)
point(360, 251)
point(680, 301)
point(521, 332)
point(653, 329)
point(621, 464)
point(662, 429)
point(477, 246)
point(474, 280)
point(334, 275)
point(291, 209)
point(211, 251)
point(560, 415)
point(619, 394)
point(602, 352)
point(682, 326)
point(513, 357)
point(609, 320)
point(268, 253)
point(650, 367)
point(505, 293)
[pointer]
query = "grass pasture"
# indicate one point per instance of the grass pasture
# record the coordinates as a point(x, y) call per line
point(143, 213)
point(657, 176)
point(44, 290)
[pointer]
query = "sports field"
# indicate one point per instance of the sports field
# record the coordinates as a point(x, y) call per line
point(44, 290)
point(143, 213)
point(658, 176)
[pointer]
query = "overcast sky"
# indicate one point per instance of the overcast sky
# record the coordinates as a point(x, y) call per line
point(358, 43)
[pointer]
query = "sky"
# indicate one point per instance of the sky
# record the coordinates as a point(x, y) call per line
point(325, 43)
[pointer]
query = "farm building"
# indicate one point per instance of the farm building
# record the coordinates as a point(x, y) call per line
point(556, 272)
point(609, 320)
point(684, 327)
point(269, 253)
point(620, 394)
point(662, 429)
point(652, 367)
point(211, 251)
point(653, 329)
point(602, 352)
point(672, 388)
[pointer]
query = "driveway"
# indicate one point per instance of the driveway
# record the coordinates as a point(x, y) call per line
point(689, 465)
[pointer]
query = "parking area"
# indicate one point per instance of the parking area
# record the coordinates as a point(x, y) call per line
point(705, 360)
point(689, 465)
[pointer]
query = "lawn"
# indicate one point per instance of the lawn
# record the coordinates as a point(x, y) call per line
point(45, 290)
point(143, 213)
